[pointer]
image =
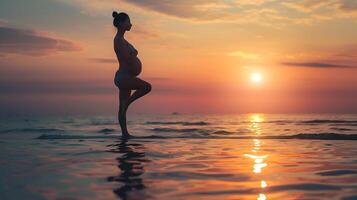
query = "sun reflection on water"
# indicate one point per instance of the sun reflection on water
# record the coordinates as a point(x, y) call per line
point(261, 197)
point(259, 159)
point(255, 120)
point(263, 184)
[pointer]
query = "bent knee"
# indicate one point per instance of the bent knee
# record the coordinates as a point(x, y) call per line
point(146, 87)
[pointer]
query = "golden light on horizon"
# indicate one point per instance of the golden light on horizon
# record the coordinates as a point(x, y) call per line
point(256, 77)
point(256, 118)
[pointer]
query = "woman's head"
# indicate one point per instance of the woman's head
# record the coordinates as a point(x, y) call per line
point(121, 20)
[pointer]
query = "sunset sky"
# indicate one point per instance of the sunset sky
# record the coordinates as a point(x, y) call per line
point(57, 57)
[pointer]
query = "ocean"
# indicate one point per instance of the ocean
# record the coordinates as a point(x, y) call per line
point(180, 156)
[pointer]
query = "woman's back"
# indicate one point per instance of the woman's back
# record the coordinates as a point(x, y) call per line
point(123, 62)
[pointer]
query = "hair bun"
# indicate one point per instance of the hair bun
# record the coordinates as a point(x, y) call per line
point(114, 14)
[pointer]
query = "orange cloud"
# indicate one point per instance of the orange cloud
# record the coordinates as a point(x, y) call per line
point(308, 5)
point(244, 55)
point(263, 12)
point(201, 10)
point(315, 64)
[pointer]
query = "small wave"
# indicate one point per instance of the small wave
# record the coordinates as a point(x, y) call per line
point(185, 175)
point(175, 130)
point(327, 121)
point(337, 172)
point(32, 130)
point(322, 136)
point(98, 122)
point(243, 131)
point(343, 124)
point(68, 121)
point(200, 123)
point(350, 198)
point(102, 123)
point(304, 186)
point(341, 129)
point(106, 130)
point(68, 137)
point(222, 132)
point(314, 121)
point(88, 152)
point(60, 136)
point(276, 188)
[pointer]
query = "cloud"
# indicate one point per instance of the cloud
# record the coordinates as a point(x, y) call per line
point(186, 9)
point(55, 87)
point(31, 42)
point(316, 10)
point(145, 32)
point(308, 5)
point(270, 13)
point(315, 65)
point(348, 5)
point(199, 10)
point(244, 55)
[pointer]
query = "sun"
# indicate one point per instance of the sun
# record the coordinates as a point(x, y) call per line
point(256, 77)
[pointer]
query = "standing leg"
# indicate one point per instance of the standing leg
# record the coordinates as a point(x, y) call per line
point(124, 96)
point(127, 84)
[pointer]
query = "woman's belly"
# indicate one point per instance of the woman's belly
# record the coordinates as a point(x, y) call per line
point(135, 66)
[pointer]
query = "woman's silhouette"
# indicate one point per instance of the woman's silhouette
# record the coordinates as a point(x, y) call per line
point(129, 67)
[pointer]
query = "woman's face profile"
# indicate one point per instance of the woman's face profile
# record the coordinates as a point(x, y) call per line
point(127, 24)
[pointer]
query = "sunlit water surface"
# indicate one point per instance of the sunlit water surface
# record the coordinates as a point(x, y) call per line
point(253, 156)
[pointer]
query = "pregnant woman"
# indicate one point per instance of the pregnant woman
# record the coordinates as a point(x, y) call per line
point(129, 67)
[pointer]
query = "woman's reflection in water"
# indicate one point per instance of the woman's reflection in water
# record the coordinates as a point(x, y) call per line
point(131, 166)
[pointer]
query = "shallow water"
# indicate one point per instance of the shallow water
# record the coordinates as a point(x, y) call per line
point(180, 157)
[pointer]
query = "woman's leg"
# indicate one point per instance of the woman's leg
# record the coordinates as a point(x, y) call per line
point(133, 83)
point(124, 95)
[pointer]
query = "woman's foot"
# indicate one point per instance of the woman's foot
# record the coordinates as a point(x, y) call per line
point(125, 135)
